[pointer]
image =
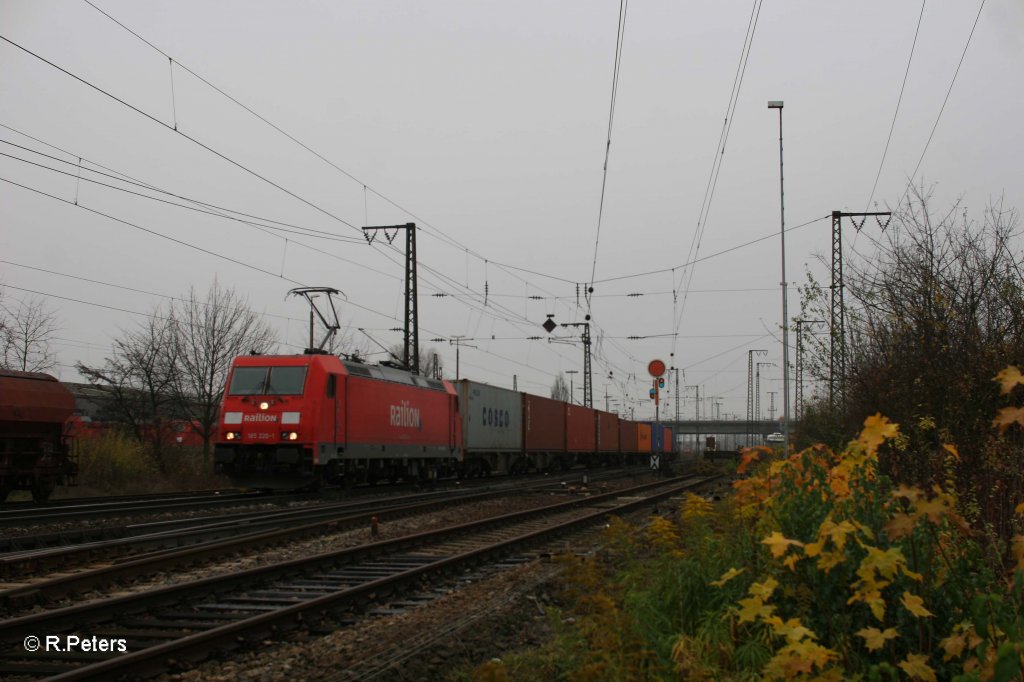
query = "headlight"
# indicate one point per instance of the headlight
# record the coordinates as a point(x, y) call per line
point(233, 435)
point(264, 405)
point(289, 435)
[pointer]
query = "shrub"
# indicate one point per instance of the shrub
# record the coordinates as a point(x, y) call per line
point(817, 567)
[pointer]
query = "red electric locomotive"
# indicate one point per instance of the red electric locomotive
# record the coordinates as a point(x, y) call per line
point(303, 419)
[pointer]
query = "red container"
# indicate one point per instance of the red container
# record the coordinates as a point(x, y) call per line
point(643, 438)
point(628, 436)
point(580, 428)
point(608, 432)
point(667, 440)
point(543, 424)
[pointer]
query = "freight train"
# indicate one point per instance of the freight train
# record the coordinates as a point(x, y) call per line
point(34, 451)
point(295, 420)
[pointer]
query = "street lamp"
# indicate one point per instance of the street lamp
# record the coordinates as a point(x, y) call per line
point(785, 307)
point(572, 394)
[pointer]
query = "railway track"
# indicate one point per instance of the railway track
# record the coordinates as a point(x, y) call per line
point(170, 545)
point(27, 515)
point(90, 535)
point(31, 515)
point(172, 625)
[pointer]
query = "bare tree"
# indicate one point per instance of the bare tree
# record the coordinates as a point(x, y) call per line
point(430, 361)
point(560, 389)
point(27, 329)
point(208, 333)
point(139, 378)
point(935, 314)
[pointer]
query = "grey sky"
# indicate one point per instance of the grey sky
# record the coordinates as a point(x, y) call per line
point(487, 121)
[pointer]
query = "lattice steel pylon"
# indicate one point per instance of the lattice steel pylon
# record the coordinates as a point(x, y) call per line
point(750, 393)
point(758, 415)
point(837, 320)
point(588, 387)
point(411, 337)
point(798, 408)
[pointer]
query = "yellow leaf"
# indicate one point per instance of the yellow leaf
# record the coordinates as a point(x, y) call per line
point(887, 563)
point(875, 639)
point(790, 561)
point(899, 526)
point(909, 493)
point(839, 484)
point(951, 449)
point(917, 668)
point(873, 598)
point(763, 590)
point(877, 429)
point(754, 608)
point(747, 458)
point(934, 509)
point(793, 631)
point(1007, 417)
point(813, 549)
point(915, 605)
point(1008, 378)
point(953, 646)
point(727, 576)
point(1020, 508)
point(1017, 549)
point(779, 544)
point(911, 574)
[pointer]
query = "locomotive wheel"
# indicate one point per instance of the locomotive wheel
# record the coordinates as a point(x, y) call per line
point(42, 489)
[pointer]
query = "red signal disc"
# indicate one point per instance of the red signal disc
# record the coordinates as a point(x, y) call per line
point(656, 368)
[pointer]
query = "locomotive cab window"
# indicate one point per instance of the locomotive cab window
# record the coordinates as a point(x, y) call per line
point(267, 381)
point(248, 381)
point(286, 380)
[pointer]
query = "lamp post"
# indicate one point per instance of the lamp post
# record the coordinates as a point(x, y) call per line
point(785, 306)
point(458, 342)
point(572, 394)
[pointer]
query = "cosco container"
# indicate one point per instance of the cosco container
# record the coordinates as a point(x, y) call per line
point(492, 418)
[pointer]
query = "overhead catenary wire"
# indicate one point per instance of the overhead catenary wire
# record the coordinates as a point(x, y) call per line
point(208, 147)
point(211, 253)
point(523, 316)
point(433, 230)
point(899, 101)
point(716, 166)
point(220, 211)
point(945, 100)
point(426, 267)
point(123, 287)
point(620, 36)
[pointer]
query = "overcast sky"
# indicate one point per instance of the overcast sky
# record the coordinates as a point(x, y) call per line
point(486, 124)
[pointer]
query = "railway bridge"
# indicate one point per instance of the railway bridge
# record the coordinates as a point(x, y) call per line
point(729, 434)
